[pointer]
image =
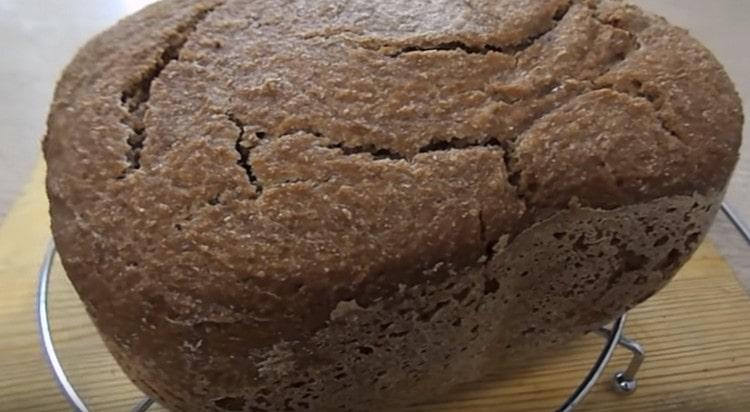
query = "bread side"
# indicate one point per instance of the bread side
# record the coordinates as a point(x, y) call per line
point(243, 191)
point(427, 337)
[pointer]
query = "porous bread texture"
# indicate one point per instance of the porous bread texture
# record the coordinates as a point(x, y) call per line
point(427, 337)
point(555, 281)
point(321, 205)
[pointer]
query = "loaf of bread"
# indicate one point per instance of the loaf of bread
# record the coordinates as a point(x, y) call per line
point(324, 205)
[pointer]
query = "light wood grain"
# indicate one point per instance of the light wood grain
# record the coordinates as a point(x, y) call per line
point(696, 333)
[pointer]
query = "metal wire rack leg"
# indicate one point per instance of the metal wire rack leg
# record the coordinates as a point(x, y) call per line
point(625, 382)
point(143, 405)
point(614, 338)
point(45, 334)
point(48, 345)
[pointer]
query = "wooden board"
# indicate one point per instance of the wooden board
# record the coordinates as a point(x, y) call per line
point(696, 333)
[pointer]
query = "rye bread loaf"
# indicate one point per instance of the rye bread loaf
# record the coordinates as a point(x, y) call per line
point(321, 205)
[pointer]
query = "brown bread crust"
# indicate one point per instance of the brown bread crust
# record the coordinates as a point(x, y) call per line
point(325, 205)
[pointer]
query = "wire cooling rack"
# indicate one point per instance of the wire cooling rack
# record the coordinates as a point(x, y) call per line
point(623, 381)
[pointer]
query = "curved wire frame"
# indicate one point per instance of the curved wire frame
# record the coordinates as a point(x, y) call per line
point(737, 221)
point(602, 360)
point(45, 335)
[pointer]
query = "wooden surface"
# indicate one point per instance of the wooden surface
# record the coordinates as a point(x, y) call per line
point(696, 333)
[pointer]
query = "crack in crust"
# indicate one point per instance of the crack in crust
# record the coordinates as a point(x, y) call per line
point(243, 146)
point(459, 143)
point(135, 99)
point(454, 45)
point(508, 146)
point(136, 96)
point(436, 145)
point(654, 100)
point(652, 97)
point(511, 49)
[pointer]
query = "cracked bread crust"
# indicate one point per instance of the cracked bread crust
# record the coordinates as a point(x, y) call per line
point(329, 205)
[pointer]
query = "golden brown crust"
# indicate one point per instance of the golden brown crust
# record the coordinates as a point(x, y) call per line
point(225, 175)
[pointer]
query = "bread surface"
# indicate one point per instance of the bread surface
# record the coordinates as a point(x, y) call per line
point(326, 205)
